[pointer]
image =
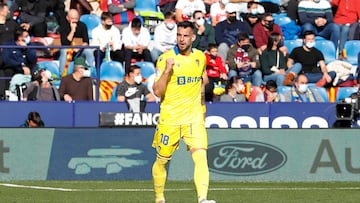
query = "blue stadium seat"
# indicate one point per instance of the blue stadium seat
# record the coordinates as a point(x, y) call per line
point(322, 92)
point(112, 70)
point(281, 19)
point(91, 21)
point(146, 5)
point(277, 2)
point(282, 90)
point(293, 43)
point(345, 92)
point(352, 48)
point(147, 68)
point(326, 47)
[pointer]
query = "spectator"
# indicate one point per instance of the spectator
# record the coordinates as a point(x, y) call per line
point(74, 32)
point(346, 17)
point(7, 29)
point(167, 6)
point(164, 36)
point(133, 92)
point(136, 40)
point(243, 61)
point(253, 14)
point(33, 121)
point(123, 11)
point(32, 15)
point(240, 5)
point(107, 37)
point(7, 25)
point(217, 12)
point(185, 9)
point(78, 85)
point(41, 88)
point(311, 62)
point(301, 92)
point(215, 70)
point(317, 16)
point(233, 89)
point(262, 31)
point(270, 93)
point(20, 59)
point(205, 33)
point(292, 10)
point(227, 31)
point(273, 63)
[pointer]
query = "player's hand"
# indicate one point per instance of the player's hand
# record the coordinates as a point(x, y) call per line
point(26, 70)
point(169, 65)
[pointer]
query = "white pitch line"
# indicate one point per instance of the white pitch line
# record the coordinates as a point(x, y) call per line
point(178, 189)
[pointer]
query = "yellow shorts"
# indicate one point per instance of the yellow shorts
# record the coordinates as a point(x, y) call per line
point(167, 138)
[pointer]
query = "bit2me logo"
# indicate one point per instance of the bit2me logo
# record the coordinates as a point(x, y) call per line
point(244, 158)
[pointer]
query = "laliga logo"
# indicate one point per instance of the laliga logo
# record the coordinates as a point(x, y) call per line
point(264, 122)
point(243, 158)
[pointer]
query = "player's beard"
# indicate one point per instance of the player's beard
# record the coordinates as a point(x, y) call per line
point(183, 48)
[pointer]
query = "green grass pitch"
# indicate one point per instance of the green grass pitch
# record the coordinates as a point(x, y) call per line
point(176, 192)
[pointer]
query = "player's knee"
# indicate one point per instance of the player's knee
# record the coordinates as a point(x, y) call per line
point(161, 160)
point(199, 156)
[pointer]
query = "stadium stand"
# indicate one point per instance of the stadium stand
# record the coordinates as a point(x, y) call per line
point(352, 49)
point(91, 21)
point(111, 74)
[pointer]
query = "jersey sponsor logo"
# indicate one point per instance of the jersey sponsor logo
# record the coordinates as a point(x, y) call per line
point(244, 158)
point(182, 80)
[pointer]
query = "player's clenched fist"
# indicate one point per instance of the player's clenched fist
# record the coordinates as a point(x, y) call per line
point(169, 65)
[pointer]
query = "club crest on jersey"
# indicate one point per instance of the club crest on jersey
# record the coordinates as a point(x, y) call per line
point(197, 61)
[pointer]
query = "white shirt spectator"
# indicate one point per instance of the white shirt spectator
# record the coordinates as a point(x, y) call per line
point(101, 37)
point(164, 38)
point(129, 39)
point(217, 13)
point(189, 6)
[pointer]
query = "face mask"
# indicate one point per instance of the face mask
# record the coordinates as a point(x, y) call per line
point(170, 26)
point(138, 79)
point(200, 22)
point(310, 44)
point(27, 40)
point(245, 47)
point(108, 27)
point(232, 19)
point(280, 44)
point(303, 88)
point(48, 74)
point(269, 25)
point(212, 56)
point(86, 73)
point(254, 11)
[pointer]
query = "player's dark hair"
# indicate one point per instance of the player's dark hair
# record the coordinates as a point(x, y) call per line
point(186, 24)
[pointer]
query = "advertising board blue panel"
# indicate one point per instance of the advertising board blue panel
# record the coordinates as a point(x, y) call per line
point(219, 115)
point(101, 154)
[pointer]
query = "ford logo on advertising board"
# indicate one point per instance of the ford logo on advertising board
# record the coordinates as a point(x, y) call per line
point(244, 158)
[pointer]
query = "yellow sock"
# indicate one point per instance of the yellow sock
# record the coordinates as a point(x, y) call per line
point(159, 178)
point(201, 173)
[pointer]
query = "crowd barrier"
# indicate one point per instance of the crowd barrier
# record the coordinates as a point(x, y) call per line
point(218, 115)
point(233, 155)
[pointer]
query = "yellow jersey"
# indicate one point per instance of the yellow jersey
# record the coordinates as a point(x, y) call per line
point(181, 103)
